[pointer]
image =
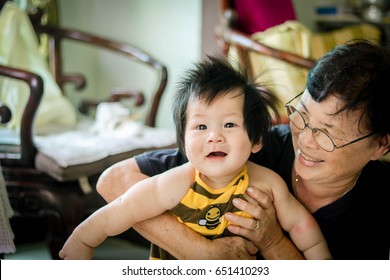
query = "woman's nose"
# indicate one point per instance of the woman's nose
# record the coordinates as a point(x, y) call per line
point(306, 137)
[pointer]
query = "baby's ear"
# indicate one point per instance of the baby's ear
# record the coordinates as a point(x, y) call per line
point(257, 147)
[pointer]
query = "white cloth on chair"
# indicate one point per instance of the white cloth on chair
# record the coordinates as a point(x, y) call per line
point(82, 145)
point(94, 145)
point(113, 131)
point(6, 234)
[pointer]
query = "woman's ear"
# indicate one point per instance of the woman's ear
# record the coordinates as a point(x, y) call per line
point(384, 146)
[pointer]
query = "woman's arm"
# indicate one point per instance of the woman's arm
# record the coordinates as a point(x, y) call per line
point(165, 230)
point(184, 243)
point(118, 178)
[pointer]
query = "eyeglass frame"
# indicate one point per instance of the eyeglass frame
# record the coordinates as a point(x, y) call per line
point(314, 129)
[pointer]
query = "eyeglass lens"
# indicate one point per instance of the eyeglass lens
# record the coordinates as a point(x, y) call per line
point(322, 139)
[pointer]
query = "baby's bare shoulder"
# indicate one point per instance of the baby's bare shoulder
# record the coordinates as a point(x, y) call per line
point(263, 177)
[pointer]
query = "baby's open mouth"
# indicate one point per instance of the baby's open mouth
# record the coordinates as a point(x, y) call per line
point(216, 154)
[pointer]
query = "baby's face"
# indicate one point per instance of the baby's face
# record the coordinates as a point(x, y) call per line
point(216, 141)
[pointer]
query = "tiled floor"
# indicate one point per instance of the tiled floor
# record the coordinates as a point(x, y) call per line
point(112, 249)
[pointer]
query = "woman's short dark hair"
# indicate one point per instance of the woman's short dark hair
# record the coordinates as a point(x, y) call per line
point(358, 74)
point(214, 77)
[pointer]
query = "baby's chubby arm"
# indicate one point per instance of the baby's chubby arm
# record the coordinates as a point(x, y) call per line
point(146, 199)
point(298, 221)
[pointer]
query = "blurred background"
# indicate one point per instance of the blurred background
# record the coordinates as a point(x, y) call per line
point(177, 33)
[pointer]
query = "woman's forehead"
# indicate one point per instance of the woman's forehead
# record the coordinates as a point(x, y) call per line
point(330, 104)
point(325, 112)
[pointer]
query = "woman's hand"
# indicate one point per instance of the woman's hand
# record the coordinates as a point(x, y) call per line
point(266, 234)
point(230, 248)
point(185, 244)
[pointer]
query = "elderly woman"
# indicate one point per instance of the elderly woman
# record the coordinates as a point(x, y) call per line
point(329, 157)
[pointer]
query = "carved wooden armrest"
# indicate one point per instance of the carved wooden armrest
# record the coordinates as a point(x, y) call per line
point(27, 150)
point(77, 79)
point(5, 114)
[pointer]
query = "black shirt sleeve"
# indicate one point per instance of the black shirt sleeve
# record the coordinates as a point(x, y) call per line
point(159, 161)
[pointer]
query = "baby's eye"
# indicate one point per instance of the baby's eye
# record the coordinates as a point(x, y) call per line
point(201, 127)
point(229, 125)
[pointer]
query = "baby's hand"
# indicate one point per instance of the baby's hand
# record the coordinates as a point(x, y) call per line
point(74, 249)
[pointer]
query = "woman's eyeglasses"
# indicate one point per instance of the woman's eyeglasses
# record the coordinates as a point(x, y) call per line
point(321, 137)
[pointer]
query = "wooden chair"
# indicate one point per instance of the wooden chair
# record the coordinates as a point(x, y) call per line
point(41, 189)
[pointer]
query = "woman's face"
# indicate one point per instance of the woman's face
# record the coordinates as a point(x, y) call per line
point(319, 166)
